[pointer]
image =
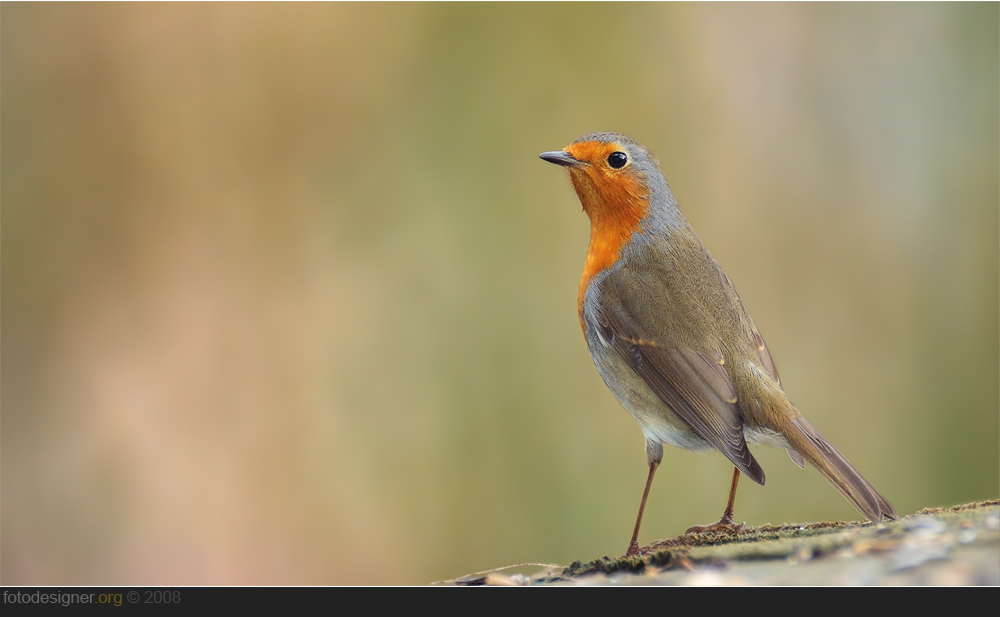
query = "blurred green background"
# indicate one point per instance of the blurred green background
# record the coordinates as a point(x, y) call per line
point(288, 297)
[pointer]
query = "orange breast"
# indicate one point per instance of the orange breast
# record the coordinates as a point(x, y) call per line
point(615, 202)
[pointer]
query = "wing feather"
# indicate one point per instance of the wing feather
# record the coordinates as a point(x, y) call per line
point(694, 385)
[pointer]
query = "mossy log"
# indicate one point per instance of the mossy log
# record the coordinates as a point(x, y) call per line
point(940, 546)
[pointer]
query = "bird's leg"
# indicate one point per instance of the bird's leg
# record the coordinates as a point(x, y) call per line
point(633, 546)
point(727, 516)
point(726, 523)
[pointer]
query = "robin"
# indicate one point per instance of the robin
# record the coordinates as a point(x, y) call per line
point(671, 337)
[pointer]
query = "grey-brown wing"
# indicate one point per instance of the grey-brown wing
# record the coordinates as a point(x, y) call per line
point(694, 385)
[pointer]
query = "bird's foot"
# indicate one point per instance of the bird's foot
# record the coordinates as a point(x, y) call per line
point(633, 549)
point(726, 524)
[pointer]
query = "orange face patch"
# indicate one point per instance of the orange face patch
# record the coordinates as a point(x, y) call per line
point(616, 200)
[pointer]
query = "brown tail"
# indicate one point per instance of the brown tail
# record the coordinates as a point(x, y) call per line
point(824, 457)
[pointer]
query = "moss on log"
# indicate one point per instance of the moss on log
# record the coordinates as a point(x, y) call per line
point(940, 546)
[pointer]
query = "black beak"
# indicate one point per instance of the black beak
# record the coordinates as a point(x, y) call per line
point(560, 158)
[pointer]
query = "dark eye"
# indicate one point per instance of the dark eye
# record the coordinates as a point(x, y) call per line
point(617, 160)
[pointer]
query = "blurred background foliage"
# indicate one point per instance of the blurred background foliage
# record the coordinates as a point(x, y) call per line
point(288, 297)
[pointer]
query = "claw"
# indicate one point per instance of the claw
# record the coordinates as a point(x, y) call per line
point(726, 524)
point(633, 549)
